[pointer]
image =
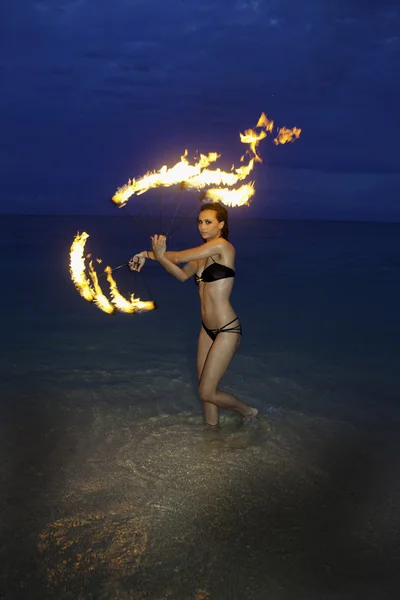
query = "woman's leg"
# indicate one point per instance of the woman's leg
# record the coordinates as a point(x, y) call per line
point(211, 411)
point(217, 361)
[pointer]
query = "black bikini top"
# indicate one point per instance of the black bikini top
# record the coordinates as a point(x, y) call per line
point(214, 272)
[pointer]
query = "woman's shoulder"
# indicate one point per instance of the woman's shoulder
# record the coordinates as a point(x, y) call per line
point(228, 245)
point(223, 243)
point(222, 247)
point(227, 249)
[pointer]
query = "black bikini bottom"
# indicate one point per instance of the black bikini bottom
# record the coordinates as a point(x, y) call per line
point(225, 329)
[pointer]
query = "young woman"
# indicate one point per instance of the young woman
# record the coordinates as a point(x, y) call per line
point(212, 265)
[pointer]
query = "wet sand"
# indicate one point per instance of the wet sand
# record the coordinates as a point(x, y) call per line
point(107, 502)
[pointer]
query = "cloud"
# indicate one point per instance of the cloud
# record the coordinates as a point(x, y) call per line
point(41, 6)
point(248, 5)
point(58, 5)
point(100, 54)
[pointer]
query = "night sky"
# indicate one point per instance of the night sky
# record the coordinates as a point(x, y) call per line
point(96, 91)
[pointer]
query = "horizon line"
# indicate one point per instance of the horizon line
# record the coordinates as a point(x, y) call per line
point(257, 218)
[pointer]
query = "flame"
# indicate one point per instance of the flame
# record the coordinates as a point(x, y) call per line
point(77, 267)
point(264, 122)
point(99, 299)
point(198, 175)
point(92, 291)
point(122, 304)
point(237, 197)
point(182, 171)
point(218, 177)
point(286, 135)
point(253, 138)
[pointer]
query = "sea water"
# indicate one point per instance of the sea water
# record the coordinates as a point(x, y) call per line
point(111, 489)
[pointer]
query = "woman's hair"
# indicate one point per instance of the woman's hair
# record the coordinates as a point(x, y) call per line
point(222, 215)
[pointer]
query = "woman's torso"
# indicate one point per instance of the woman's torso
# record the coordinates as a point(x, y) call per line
point(215, 290)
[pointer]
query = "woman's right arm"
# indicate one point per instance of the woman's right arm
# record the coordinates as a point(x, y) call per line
point(183, 274)
point(136, 263)
point(168, 255)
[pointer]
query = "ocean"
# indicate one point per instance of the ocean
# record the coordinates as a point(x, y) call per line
point(110, 487)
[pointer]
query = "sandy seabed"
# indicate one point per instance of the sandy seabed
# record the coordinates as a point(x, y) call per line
point(111, 503)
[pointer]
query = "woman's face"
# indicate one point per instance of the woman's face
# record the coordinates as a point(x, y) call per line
point(208, 224)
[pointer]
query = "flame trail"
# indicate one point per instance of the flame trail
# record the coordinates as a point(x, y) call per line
point(164, 177)
point(198, 176)
point(92, 291)
point(99, 299)
point(218, 177)
point(77, 267)
point(127, 306)
point(229, 197)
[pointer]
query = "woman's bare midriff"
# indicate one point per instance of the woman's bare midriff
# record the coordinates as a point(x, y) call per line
point(216, 309)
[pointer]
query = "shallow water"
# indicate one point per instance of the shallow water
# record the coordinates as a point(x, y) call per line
point(110, 486)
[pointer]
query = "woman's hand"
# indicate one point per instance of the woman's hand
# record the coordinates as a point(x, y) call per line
point(159, 245)
point(136, 263)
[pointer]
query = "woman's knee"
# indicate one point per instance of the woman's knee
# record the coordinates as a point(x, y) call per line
point(206, 393)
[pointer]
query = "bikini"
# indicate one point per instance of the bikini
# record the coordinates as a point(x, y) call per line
point(214, 272)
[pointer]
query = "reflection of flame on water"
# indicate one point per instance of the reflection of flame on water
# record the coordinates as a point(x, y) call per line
point(92, 291)
point(88, 552)
point(198, 176)
point(78, 548)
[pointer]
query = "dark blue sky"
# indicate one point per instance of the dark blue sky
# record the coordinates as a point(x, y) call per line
point(94, 92)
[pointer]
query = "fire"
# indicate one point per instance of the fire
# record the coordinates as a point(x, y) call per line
point(122, 304)
point(253, 138)
point(77, 267)
point(286, 135)
point(218, 177)
point(91, 290)
point(236, 197)
point(182, 171)
point(99, 298)
point(198, 176)
point(264, 122)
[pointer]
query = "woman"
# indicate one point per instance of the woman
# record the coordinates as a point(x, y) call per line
point(212, 265)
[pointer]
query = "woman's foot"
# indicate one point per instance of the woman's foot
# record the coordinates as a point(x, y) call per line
point(250, 419)
point(212, 427)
